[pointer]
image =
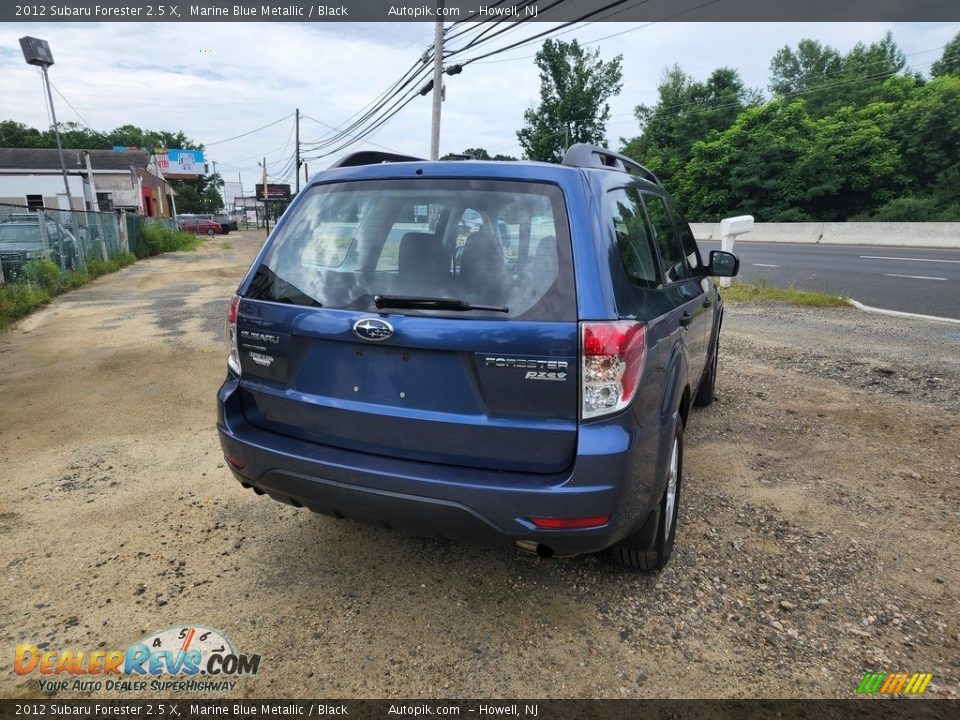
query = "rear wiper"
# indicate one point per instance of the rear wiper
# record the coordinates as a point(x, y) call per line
point(427, 303)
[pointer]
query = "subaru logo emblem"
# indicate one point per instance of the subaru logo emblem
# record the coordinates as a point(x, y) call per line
point(373, 329)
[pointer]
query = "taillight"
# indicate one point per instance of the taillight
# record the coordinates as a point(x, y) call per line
point(570, 523)
point(233, 356)
point(611, 360)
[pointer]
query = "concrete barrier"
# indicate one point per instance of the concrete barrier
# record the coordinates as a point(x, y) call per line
point(932, 234)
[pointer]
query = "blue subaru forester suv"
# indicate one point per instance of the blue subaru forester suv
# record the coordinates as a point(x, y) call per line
point(499, 352)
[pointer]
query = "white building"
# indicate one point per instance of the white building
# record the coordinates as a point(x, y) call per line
point(112, 180)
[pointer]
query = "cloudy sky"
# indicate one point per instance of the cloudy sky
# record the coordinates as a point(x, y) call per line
point(215, 81)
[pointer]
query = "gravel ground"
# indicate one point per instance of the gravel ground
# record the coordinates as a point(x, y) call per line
point(818, 535)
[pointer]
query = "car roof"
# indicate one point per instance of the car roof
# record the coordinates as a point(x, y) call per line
point(507, 170)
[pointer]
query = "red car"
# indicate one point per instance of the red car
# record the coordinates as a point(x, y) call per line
point(199, 227)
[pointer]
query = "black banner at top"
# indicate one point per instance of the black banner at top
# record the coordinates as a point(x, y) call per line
point(451, 11)
point(459, 709)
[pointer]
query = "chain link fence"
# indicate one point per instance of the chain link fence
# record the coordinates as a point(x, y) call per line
point(68, 238)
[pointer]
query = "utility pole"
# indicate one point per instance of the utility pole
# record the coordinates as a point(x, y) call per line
point(215, 185)
point(437, 84)
point(296, 171)
point(266, 217)
point(240, 179)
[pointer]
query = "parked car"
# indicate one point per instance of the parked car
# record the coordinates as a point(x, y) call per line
point(21, 241)
point(200, 226)
point(380, 370)
point(227, 223)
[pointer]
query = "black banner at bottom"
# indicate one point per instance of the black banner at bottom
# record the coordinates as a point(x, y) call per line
point(876, 709)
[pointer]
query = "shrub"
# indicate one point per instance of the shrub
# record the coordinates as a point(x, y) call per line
point(155, 239)
point(44, 273)
point(18, 299)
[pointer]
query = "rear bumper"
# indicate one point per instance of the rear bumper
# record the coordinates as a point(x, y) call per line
point(613, 474)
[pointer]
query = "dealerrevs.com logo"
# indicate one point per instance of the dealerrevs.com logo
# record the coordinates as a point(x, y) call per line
point(894, 683)
point(190, 658)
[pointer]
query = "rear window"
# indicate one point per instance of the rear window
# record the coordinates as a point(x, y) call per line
point(491, 243)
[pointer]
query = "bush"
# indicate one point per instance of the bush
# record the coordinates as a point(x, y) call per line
point(18, 299)
point(44, 273)
point(156, 239)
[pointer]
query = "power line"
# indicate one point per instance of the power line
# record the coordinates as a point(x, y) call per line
point(612, 35)
point(550, 31)
point(332, 127)
point(486, 37)
point(249, 132)
point(75, 111)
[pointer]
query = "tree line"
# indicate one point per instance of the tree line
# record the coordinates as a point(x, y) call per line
point(841, 136)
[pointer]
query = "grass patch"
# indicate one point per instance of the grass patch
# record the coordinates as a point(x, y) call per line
point(760, 291)
point(39, 281)
point(156, 239)
point(18, 299)
point(226, 245)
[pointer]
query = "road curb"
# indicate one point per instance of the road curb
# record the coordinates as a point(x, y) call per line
point(898, 313)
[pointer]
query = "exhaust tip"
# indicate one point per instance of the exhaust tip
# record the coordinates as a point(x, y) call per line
point(534, 548)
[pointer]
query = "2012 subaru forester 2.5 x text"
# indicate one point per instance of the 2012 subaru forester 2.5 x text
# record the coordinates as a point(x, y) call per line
point(500, 352)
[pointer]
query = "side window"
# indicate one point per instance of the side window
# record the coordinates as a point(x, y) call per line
point(633, 237)
point(671, 254)
point(690, 251)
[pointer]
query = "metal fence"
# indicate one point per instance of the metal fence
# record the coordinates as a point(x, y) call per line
point(68, 238)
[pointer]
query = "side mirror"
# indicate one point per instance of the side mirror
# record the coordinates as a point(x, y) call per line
point(723, 264)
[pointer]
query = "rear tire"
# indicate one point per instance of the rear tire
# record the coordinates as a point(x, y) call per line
point(708, 384)
point(655, 558)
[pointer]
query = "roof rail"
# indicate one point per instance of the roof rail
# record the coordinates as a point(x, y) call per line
point(593, 156)
point(372, 157)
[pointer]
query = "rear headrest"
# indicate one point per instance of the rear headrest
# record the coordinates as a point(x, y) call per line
point(481, 258)
point(420, 253)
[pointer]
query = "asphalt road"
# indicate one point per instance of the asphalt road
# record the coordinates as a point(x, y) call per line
point(916, 280)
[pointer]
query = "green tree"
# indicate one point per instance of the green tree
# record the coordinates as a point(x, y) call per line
point(949, 62)
point(17, 135)
point(575, 85)
point(928, 128)
point(478, 154)
point(686, 111)
point(199, 196)
point(828, 80)
point(748, 167)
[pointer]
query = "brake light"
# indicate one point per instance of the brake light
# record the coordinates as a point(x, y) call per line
point(611, 359)
point(233, 352)
point(570, 523)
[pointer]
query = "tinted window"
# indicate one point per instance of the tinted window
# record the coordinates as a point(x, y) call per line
point(671, 256)
point(633, 237)
point(483, 242)
point(690, 251)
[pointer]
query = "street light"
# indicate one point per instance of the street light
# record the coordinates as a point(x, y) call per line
point(37, 52)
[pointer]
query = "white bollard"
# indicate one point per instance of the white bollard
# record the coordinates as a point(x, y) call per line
point(730, 228)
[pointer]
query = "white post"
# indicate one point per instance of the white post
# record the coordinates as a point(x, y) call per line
point(730, 228)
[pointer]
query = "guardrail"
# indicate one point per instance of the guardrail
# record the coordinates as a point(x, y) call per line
point(912, 234)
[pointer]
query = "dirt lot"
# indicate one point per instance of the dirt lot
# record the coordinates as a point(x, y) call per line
point(818, 535)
